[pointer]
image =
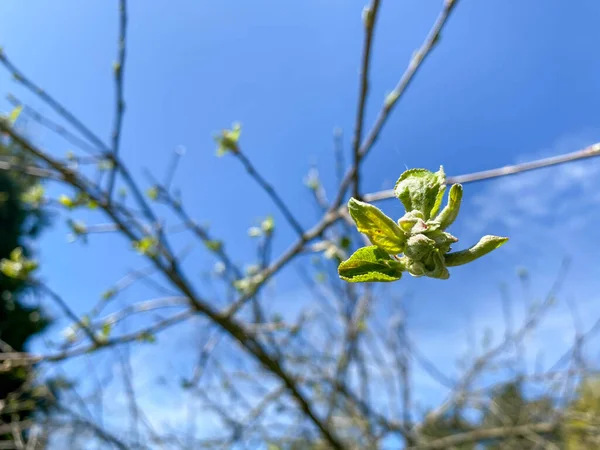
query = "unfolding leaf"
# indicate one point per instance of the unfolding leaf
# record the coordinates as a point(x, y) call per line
point(66, 201)
point(268, 225)
point(18, 266)
point(450, 212)
point(379, 228)
point(108, 294)
point(106, 329)
point(370, 264)
point(146, 246)
point(228, 140)
point(485, 245)
point(15, 113)
point(152, 193)
point(422, 190)
point(215, 245)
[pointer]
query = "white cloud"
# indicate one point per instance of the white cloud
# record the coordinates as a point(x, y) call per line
point(544, 199)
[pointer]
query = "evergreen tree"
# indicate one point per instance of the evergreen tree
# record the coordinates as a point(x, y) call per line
point(20, 221)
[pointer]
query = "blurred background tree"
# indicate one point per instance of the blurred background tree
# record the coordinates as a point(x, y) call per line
point(20, 224)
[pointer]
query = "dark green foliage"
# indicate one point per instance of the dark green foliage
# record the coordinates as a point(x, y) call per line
point(18, 321)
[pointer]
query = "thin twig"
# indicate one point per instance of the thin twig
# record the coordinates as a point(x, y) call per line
point(271, 192)
point(392, 99)
point(53, 126)
point(589, 152)
point(369, 19)
point(119, 70)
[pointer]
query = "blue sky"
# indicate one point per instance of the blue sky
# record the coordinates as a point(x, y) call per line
point(511, 81)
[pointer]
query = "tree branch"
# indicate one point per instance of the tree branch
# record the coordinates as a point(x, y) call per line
point(369, 19)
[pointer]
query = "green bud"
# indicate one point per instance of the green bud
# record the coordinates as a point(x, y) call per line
point(152, 193)
point(418, 247)
point(268, 225)
point(227, 141)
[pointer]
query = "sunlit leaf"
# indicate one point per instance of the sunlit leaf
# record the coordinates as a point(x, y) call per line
point(422, 190)
point(15, 113)
point(379, 228)
point(370, 264)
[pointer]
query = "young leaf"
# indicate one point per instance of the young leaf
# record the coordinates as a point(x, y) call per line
point(228, 140)
point(268, 225)
point(370, 264)
point(485, 245)
point(108, 294)
point(422, 190)
point(214, 245)
point(379, 228)
point(34, 196)
point(66, 201)
point(106, 329)
point(15, 113)
point(450, 212)
point(146, 246)
point(152, 193)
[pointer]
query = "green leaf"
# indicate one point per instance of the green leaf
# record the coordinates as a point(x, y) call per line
point(108, 294)
point(312, 179)
point(370, 264)
point(152, 193)
point(106, 329)
point(422, 190)
point(77, 226)
point(17, 266)
point(15, 113)
point(215, 246)
point(485, 245)
point(146, 246)
point(450, 212)
point(268, 225)
point(66, 201)
point(409, 220)
point(379, 228)
point(34, 196)
point(228, 140)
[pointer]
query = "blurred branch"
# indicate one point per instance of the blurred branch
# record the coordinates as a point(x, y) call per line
point(588, 152)
point(53, 126)
point(369, 22)
point(271, 192)
point(119, 70)
point(486, 434)
point(392, 99)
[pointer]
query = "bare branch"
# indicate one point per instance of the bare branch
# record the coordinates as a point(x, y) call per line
point(588, 152)
point(119, 70)
point(369, 19)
